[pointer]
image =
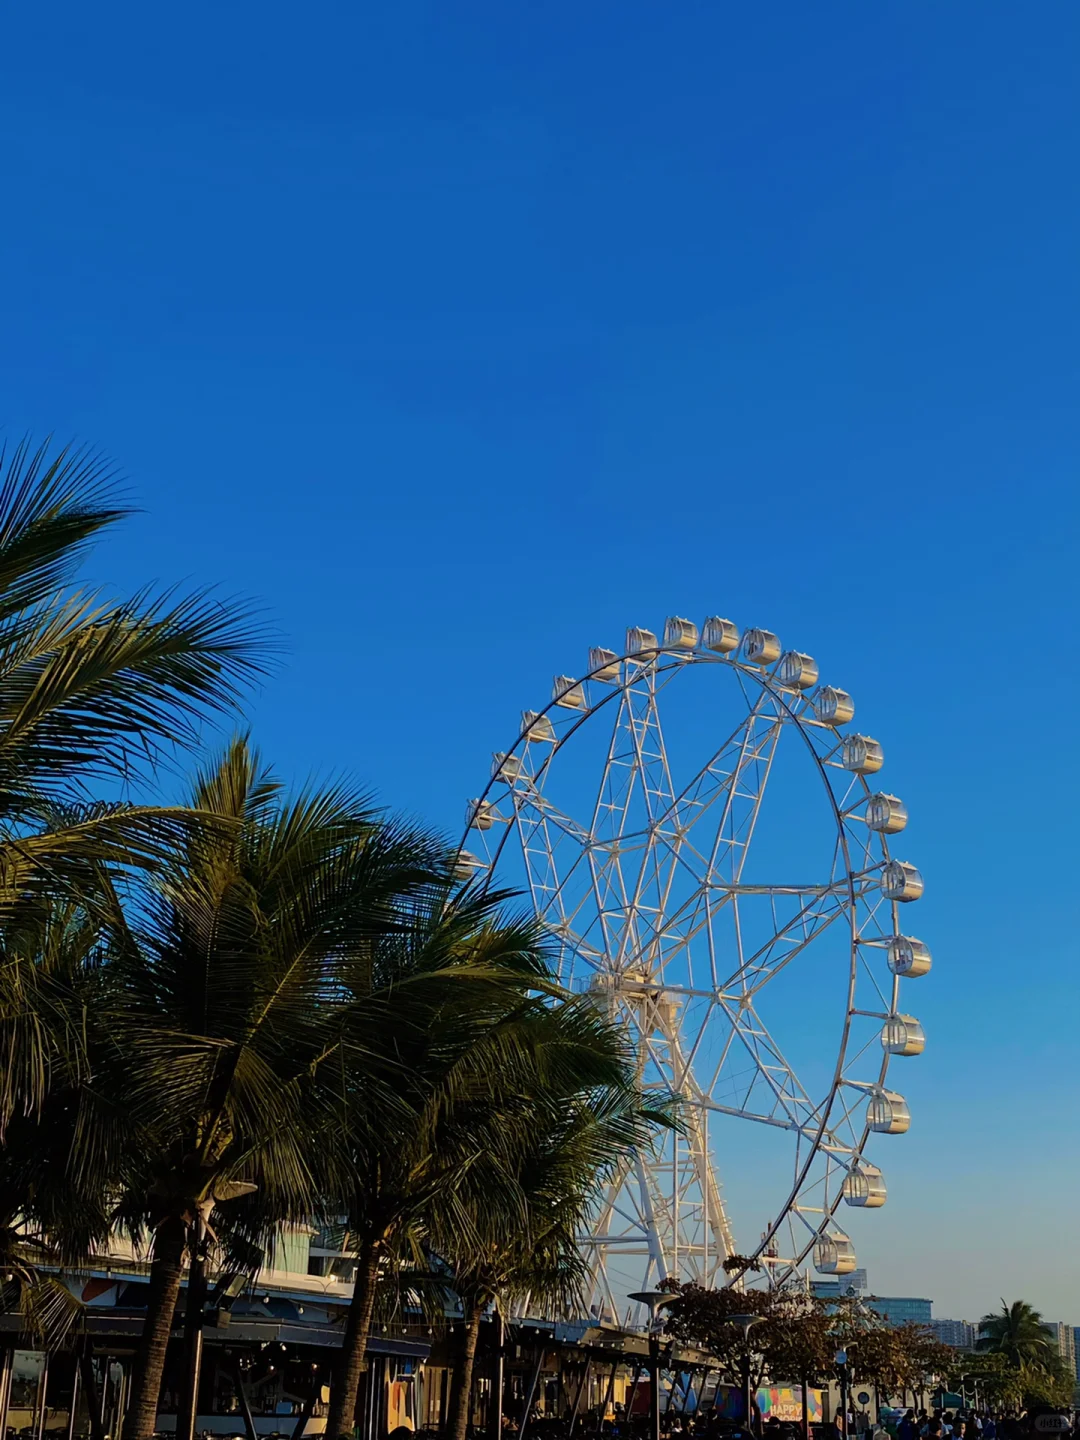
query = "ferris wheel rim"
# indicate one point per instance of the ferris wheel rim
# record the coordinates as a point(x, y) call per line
point(633, 667)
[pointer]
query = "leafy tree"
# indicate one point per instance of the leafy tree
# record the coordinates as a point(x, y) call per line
point(1049, 1383)
point(792, 1340)
point(799, 1334)
point(895, 1358)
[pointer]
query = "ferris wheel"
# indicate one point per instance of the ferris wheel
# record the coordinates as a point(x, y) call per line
point(697, 826)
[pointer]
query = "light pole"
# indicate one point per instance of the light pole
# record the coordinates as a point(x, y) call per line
point(498, 1379)
point(745, 1322)
point(841, 1362)
point(198, 1241)
point(654, 1299)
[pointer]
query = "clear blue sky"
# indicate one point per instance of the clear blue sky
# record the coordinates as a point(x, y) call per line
point(465, 335)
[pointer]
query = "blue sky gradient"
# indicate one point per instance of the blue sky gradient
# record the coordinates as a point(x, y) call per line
point(465, 336)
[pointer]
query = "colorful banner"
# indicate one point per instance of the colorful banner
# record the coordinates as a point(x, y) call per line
point(782, 1401)
point(785, 1403)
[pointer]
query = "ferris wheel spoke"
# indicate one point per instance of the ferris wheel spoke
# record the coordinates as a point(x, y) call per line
point(617, 779)
point(869, 977)
point(837, 1150)
point(609, 1206)
point(687, 1056)
point(526, 797)
point(849, 1106)
point(656, 879)
point(779, 1077)
point(751, 743)
point(750, 768)
point(870, 1046)
point(697, 912)
point(552, 888)
point(558, 910)
point(636, 766)
point(544, 835)
point(739, 1112)
point(593, 955)
point(636, 762)
point(798, 933)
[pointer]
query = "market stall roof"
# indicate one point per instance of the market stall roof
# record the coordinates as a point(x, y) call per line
point(116, 1323)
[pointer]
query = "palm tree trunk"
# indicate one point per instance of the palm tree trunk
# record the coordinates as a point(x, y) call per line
point(166, 1271)
point(342, 1415)
point(461, 1393)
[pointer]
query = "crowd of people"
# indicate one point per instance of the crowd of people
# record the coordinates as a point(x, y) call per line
point(909, 1425)
point(712, 1424)
point(939, 1425)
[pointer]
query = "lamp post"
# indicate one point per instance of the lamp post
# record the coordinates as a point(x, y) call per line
point(840, 1359)
point(498, 1382)
point(198, 1242)
point(745, 1322)
point(654, 1299)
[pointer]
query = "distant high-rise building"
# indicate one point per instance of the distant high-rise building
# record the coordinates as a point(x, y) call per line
point(1076, 1348)
point(897, 1309)
point(902, 1309)
point(957, 1333)
point(1063, 1338)
point(853, 1284)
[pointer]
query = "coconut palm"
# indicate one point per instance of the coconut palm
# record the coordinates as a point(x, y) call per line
point(1016, 1331)
point(528, 1198)
point(52, 1197)
point(434, 1012)
point(217, 1013)
point(460, 1001)
point(455, 1010)
point(92, 691)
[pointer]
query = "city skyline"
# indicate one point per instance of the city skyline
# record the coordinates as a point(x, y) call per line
point(962, 1333)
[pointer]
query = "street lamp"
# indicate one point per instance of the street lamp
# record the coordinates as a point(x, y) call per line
point(654, 1299)
point(840, 1360)
point(975, 1386)
point(198, 1240)
point(745, 1322)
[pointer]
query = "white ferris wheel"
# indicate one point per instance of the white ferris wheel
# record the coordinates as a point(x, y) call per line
point(699, 831)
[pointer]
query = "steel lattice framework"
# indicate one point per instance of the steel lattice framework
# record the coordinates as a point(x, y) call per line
point(647, 886)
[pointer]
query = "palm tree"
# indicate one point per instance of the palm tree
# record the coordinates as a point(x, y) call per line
point(217, 1013)
point(548, 1152)
point(1018, 1332)
point(52, 1198)
point(92, 690)
point(435, 1011)
point(452, 1010)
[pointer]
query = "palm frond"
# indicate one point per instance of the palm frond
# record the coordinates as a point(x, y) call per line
point(52, 503)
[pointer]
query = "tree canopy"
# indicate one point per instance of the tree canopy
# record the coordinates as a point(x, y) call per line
point(798, 1334)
